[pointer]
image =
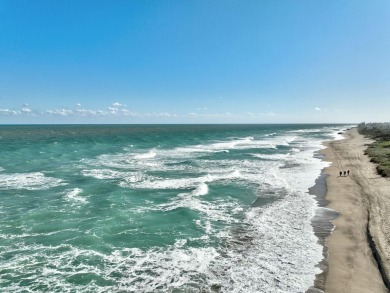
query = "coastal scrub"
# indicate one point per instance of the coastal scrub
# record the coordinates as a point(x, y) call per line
point(379, 150)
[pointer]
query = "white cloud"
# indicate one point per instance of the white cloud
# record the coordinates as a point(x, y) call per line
point(271, 114)
point(60, 112)
point(112, 110)
point(116, 104)
point(120, 111)
point(9, 112)
point(86, 112)
point(26, 110)
point(165, 114)
point(214, 115)
point(157, 115)
point(317, 108)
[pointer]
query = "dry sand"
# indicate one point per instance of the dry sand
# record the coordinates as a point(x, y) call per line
point(362, 200)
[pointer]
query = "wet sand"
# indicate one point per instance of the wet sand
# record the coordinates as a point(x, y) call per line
point(323, 227)
point(356, 262)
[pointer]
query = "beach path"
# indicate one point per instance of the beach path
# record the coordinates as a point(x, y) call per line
point(351, 265)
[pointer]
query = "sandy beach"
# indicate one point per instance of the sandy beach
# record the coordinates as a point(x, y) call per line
point(357, 262)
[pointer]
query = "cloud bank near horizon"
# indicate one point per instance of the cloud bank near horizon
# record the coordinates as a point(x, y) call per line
point(121, 112)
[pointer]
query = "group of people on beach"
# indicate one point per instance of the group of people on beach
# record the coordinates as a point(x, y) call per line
point(346, 173)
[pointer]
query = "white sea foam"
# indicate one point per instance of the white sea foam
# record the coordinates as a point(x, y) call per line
point(148, 155)
point(170, 159)
point(279, 244)
point(339, 134)
point(274, 157)
point(103, 173)
point(243, 143)
point(295, 150)
point(185, 183)
point(128, 269)
point(123, 161)
point(126, 177)
point(28, 181)
point(202, 189)
point(307, 130)
point(73, 195)
point(280, 248)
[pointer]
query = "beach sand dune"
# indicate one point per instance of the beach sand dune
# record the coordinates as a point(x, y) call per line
point(363, 201)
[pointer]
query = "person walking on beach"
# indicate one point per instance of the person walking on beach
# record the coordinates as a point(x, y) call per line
point(348, 172)
point(341, 173)
point(345, 173)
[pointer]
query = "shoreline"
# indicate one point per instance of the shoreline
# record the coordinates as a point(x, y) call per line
point(322, 227)
point(350, 255)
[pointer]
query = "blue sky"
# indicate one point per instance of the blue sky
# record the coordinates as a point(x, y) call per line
point(147, 61)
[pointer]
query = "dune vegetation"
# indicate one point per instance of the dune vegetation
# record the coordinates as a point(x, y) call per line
point(379, 150)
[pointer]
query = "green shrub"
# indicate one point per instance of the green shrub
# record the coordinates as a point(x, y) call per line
point(379, 150)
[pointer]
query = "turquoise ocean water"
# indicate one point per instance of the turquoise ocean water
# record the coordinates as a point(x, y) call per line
point(159, 208)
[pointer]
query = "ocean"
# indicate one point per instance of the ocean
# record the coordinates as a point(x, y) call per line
point(159, 208)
